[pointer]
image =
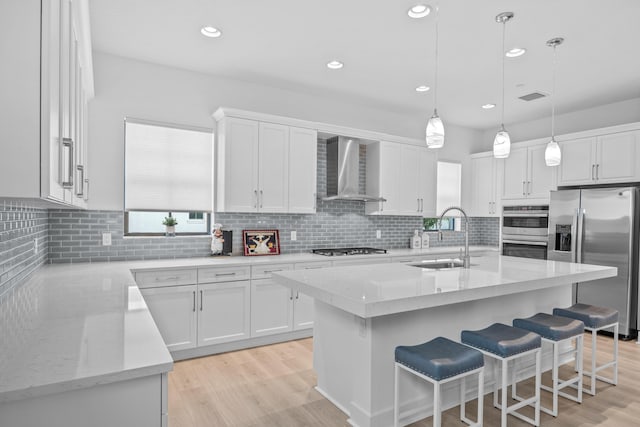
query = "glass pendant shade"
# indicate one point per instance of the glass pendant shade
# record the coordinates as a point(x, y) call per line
point(502, 144)
point(435, 132)
point(552, 154)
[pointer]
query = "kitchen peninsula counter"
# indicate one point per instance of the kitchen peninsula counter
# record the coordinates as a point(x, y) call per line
point(363, 312)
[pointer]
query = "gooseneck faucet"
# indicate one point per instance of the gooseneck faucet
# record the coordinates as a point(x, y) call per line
point(466, 259)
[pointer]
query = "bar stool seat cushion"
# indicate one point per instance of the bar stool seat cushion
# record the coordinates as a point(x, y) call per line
point(555, 328)
point(593, 316)
point(502, 340)
point(439, 358)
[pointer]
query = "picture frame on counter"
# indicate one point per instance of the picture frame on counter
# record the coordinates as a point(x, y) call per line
point(261, 242)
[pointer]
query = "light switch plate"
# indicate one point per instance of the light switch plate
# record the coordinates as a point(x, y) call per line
point(294, 235)
point(106, 238)
point(378, 234)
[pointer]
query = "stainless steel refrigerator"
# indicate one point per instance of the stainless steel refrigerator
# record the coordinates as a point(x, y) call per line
point(600, 226)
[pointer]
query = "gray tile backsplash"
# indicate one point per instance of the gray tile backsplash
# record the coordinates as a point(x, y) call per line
point(24, 241)
point(76, 235)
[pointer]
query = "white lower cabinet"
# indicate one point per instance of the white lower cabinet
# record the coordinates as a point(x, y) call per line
point(271, 308)
point(224, 312)
point(302, 312)
point(174, 310)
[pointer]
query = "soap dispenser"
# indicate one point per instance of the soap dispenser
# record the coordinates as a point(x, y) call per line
point(425, 240)
point(416, 241)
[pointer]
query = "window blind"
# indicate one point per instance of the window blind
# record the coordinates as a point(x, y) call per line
point(167, 168)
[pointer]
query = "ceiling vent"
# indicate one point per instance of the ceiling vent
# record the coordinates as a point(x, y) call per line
point(532, 96)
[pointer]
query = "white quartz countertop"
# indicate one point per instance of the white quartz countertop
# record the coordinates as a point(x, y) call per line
point(382, 289)
point(75, 326)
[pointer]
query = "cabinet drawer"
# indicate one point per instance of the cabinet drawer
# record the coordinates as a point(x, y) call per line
point(264, 271)
point(224, 274)
point(312, 265)
point(171, 277)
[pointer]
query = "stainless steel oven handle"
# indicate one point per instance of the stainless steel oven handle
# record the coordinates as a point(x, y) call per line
point(525, 242)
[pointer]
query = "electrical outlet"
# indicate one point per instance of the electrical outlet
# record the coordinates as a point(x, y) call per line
point(294, 235)
point(106, 238)
point(378, 234)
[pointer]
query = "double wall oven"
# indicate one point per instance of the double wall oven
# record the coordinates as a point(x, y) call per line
point(525, 231)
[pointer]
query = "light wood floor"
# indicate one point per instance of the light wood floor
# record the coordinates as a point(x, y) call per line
point(273, 386)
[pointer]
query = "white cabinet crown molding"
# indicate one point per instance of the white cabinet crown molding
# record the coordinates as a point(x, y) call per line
point(365, 136)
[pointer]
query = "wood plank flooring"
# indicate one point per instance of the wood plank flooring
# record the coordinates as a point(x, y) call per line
point(273, 386)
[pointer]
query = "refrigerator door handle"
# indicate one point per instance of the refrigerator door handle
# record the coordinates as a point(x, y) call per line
point(579, 235)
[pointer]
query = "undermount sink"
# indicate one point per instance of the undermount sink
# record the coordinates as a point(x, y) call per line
point(439, 264)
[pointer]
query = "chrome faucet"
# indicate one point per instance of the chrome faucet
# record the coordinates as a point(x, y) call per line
point(466, 259)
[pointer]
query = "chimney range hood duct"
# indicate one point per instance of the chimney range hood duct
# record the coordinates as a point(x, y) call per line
point(343, 171)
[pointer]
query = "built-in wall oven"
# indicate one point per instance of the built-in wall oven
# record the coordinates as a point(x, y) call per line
point(525, 231)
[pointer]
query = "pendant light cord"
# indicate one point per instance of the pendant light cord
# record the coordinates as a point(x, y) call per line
point(504, 29)
point(553, 95)
point(435, 90)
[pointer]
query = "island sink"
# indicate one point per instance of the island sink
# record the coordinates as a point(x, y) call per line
point(439, 264)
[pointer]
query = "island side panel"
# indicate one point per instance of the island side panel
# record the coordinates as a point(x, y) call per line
point(346, 352)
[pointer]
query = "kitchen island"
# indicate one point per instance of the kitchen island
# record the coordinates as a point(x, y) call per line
point(363, 312)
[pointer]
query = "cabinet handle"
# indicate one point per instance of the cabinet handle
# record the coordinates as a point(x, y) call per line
point(272, 271)
point(201, 300)
point(529, 192)
point(291, 295)
point(225, 274)
point(421, 205)
point(255, 193)
point(524, 193)
point(597, 171)
point(261, 198)
point(315, 201)
point(167, 279)
point(418, 210)
point(68, 143)
point(80, 187)
point(194, 301)
point(311, 268)
point(297, 295)
point(593, 167)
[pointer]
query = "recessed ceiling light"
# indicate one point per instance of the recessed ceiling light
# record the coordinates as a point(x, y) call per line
point(419, 11)
point(210, 32)
point(488, 106)
point(335, 65)
point(422, 88)
point(516, 51)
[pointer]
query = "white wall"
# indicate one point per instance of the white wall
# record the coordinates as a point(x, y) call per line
point(593, 118)
point(128, 88)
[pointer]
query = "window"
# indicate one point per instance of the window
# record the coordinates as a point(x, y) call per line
point(449, 178)
point(168, 171)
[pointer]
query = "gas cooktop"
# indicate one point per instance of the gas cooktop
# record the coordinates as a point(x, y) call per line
point(348, 251)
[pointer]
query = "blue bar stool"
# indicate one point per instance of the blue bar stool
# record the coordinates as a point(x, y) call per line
point(504, 344)
point(440, 361)
point(557, 330)
point(596, 319)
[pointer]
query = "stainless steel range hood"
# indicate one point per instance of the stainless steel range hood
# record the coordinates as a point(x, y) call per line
point(343, 171)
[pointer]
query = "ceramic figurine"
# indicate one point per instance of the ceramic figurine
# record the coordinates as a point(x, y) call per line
point(216, 239)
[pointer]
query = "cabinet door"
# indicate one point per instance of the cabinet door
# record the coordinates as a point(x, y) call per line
point(302, 312)
point(389, 179)
point(483, 177)
point(224, 312)
point(271, 308)
point(515, 175)
point(237, 165)
point(408, 189)
point(273, 168)
point(174, 310)
point(427, 182)
point(578, 160)
point(617, 156)
point(303, 155)
point(541, 178)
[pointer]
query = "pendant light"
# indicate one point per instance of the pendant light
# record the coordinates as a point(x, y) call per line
point(435, 128)
point(552, 154)
point(502, 141)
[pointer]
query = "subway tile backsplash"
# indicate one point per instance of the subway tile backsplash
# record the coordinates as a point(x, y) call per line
point(24, 241)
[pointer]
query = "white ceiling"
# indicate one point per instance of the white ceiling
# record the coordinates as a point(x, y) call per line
point(286, 43)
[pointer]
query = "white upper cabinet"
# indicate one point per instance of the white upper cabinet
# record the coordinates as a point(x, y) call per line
point(403, 174)
point(484, 181)
point(44, 95)
point(604, 159)
point(526, 176)
point(265, 167)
